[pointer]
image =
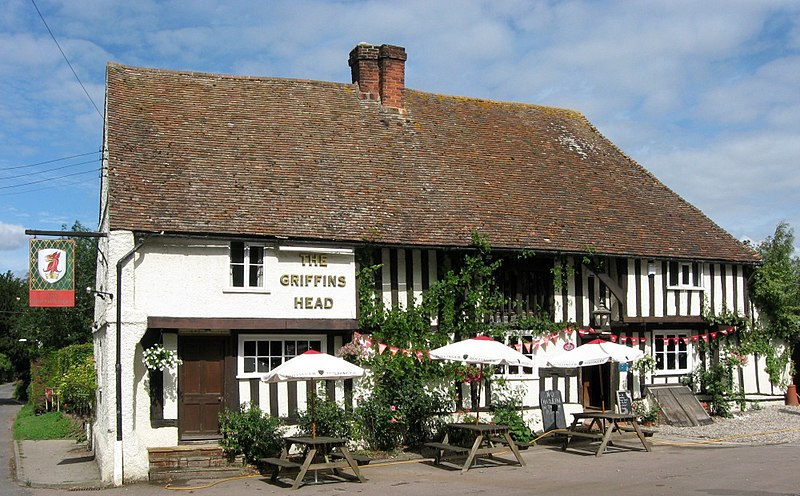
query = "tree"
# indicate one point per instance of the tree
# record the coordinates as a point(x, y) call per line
point(13, 304)
point(776, 292)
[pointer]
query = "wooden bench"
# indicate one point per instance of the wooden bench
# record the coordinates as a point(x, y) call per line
point(359, 459)
point(519, 445)
point(443, 448)
point(647, 432)
point(279, 462)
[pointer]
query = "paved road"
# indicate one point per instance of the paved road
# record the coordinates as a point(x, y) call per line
point(716, 470)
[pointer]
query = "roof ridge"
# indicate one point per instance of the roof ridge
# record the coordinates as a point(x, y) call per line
point(546, 108)
point(186, 72)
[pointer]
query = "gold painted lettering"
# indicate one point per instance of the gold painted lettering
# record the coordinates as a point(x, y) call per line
point(298, 303)
point(285, 280)
point(342, 281)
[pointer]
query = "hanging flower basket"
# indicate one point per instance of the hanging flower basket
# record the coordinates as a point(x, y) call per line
point(159, 358)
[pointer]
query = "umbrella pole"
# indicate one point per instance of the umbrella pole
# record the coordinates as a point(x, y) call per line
point(312, 409)
point(480, 383)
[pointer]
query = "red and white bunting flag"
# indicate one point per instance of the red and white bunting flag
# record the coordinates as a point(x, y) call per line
point(535, 344)
point(569, 331)
point(381, 348)
point(695, 338)
point(419, 355)
point(583, 332)
point(554, 338)
point(527, 347)
point(394, 350)
point(356, 336)
point(613, 338)
point(714, 335)
point(685, 340)
point(623, 339)
point(724, 332)
point(368, 342)
point(635, 341)
point(705, 337)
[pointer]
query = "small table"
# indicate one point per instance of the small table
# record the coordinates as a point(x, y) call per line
point(318, 450)
point(608, 422)
point(489, 439)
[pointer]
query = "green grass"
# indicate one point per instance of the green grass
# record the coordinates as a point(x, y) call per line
point(51, 425)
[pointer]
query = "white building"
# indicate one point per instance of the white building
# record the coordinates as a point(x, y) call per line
point(239, 208)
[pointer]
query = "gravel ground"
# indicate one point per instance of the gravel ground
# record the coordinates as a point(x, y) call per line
point(769, 424)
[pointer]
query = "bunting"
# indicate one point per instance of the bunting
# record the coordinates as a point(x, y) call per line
point(549, 339)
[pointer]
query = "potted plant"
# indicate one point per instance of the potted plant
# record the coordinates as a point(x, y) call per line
point(158, 358)
point(646, 414)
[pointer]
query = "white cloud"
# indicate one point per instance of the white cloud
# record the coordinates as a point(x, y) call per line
point(12, 237)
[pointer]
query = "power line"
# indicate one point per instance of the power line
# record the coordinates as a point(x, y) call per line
point(47, 170)
point(66, 59)
point(49, 179)
point(47, 161)
point(63, 184)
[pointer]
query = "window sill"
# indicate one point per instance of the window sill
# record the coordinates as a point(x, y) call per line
point(246, 290)
point(685, 288)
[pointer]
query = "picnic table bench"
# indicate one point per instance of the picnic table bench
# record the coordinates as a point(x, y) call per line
point(489, 439)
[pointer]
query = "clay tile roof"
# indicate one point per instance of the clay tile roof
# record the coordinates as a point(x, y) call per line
point(271, 157)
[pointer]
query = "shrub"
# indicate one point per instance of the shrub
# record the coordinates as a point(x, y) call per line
point(50, 369)
point(331, 419)
point(250, 432)
point(77, 387)
point(380, 422)
point(404, 406)
point(508, 413)
point(507, 405)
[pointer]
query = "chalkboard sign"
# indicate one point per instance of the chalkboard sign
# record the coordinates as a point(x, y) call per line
point(624, 401)
point(552, 410)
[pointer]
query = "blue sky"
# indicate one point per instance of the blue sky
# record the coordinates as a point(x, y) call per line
point(706, 95)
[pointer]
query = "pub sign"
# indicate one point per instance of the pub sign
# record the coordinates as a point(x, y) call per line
point(51, 274)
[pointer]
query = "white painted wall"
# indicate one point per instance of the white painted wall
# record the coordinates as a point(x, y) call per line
point(190, 278)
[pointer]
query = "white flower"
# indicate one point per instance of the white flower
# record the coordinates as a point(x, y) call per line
point(159, 358)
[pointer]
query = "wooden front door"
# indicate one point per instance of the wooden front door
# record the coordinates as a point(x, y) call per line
point(201, 386)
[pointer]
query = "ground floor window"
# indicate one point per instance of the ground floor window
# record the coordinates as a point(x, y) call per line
point(524, 344)
point(258, 354)
point(672, 351)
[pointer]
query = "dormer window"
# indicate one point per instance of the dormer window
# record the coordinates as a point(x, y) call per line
point(247, 265)
point(685, 275)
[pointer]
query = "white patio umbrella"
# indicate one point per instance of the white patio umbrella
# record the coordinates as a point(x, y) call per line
point(312, 366)
point(481, 351)
point(595, 352)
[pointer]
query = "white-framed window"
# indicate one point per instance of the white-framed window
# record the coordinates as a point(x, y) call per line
point(685, 275)
point(258, 354)
point(526, 348)
point(672, 351)
point(246, 265)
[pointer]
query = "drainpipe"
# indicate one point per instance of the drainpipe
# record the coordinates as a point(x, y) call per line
point(118, 451)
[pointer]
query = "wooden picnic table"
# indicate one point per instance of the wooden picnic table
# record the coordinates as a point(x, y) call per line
point(321, 453)
point(607, 424)
point(489, 440)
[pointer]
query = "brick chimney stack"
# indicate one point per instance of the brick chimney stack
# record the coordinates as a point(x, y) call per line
point(380, 71)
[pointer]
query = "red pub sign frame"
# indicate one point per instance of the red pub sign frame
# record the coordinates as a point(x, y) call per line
point(51, 274)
